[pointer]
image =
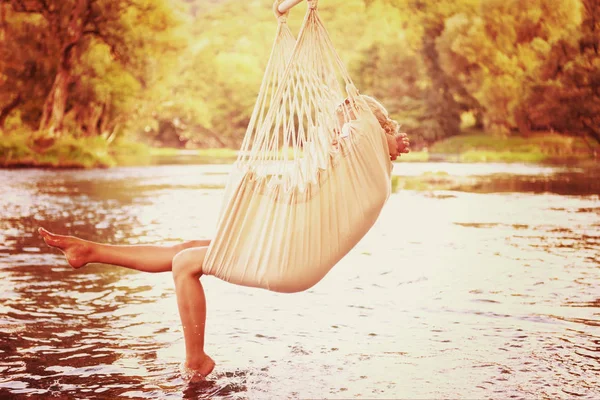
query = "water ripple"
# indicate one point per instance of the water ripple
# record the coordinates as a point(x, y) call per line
point(452, 294)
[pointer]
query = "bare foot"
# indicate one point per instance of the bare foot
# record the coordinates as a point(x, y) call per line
point(77, 251)
point(199, 372)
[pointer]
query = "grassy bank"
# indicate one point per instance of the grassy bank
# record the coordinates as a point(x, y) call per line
point(470, 147)
point(476, 146)
point(69, 152)
point(225, 154)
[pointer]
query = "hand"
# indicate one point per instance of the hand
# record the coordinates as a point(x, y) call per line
point(392, 146)
point(402, 142)
point(397, 145)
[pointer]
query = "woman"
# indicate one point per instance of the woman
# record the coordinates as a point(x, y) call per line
point(185, 260)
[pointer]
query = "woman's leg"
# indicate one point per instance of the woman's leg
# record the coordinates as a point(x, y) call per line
point(185, 260)
point(147, 258)
point(187, 269)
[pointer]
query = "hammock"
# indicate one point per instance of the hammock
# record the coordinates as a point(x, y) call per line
point(312, 175)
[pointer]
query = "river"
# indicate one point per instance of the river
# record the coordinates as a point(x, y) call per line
point(482, 282)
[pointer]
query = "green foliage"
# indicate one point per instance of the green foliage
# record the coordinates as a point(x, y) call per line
point(414, 156)
point(82, 65)
point(498, 53)
point(428, 181)
point(22, 149)
point(480, 147)
point(14, 148)
point(19, 149)
point(566, 94)
point(502, 156)
point(70, 151)
point(185, 73)
point(550, 143)
point(125, 152)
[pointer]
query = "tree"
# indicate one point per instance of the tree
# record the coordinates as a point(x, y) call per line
point(25, 68)
point(443, 97)
point(70, 33)
point(565, 96)
point(497, 52)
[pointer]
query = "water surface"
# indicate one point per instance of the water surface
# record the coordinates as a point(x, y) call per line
point(486, 289)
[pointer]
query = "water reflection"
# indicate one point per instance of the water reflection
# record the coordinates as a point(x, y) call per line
point(473, 293)
point(573, 182)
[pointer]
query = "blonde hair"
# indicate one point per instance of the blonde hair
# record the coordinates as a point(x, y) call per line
point(390, 126)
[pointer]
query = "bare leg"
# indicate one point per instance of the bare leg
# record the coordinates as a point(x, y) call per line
point(187, 269)
point(147, 258)
point(185, 260)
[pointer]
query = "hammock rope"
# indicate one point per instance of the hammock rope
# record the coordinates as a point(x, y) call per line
point(312, 174)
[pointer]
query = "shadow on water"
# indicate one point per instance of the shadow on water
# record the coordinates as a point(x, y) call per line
point(567, 183)
point(572, 183)
point(63, 331)
point(58, 328)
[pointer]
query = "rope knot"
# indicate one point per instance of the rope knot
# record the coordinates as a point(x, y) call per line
point(313, 4)
point(281, 17)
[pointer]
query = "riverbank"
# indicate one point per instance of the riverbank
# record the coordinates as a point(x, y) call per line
point(18, 151)
point(96, 152)
point(472, 147)
point(545, 148)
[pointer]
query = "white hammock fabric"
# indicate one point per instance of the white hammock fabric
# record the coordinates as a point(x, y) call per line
point(312, 175)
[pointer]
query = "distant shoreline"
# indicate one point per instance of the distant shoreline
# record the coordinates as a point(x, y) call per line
point(548, 149)
point(199, 157)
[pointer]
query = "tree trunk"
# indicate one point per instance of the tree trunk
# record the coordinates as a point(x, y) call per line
point(95, 112)
point(4, 112)
point(56, 103)
point(592, 129)
point(112, 133)
point(53, 114)
point(104, 120)
point(3, 21)
point(441, 106)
